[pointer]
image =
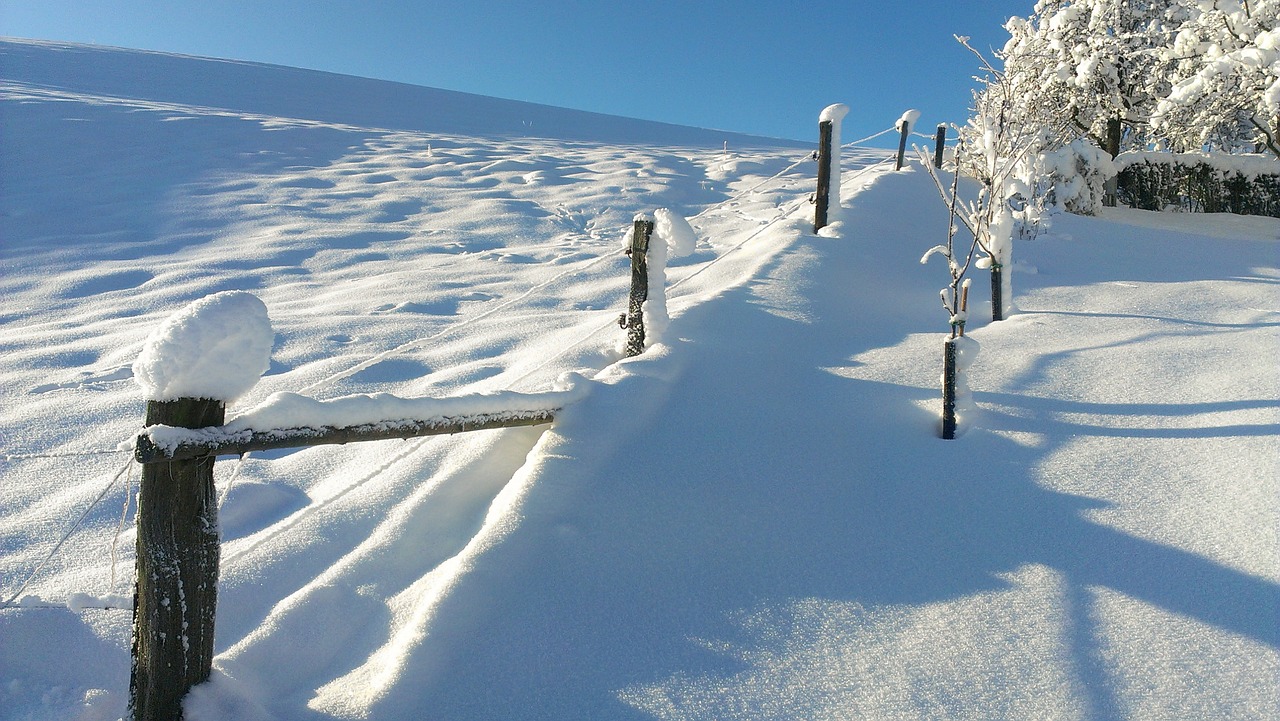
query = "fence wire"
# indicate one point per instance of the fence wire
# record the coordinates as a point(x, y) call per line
point(869, 137)
point(65, 454)
point(74, 527)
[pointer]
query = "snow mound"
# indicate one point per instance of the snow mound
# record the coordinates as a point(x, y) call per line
point(217, 347)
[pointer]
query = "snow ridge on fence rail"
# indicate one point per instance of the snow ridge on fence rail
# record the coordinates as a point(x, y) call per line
point(167, 443)
point(289, 420)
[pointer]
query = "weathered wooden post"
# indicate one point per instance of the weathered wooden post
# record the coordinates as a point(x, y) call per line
point(939, 143)
point(1112, 187)
point(822, 200)
point(828, 194)
point(949, 389)
point(177, 584)
point(904, 124)
point(902, 147)
point(192, 365)
point(634, 319)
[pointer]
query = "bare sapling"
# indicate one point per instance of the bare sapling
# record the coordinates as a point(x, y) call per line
point(998, 154)
point(955, 299)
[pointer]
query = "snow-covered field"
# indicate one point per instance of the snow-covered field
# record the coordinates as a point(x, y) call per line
point(754, 519)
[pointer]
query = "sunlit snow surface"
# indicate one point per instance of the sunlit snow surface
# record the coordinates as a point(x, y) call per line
point(752, 520)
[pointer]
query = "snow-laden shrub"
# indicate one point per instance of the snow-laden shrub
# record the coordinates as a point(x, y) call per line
point(1200, 182)
point(1071, 178)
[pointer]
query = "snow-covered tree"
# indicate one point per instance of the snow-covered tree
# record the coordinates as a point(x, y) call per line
point(1179, 73)
point(997, 148)
point(1122, 75)
point(1095, 63)
point(1225, 92)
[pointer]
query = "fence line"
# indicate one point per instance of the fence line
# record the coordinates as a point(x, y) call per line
point(58, 546)
point(416, 444)
point(193, 466)
point(453, 327)
point(288, 523)
point(797, 204)
point(612, 322)
point(235, 473)
point(810, 156)
point(587, 266)
point(124, 518)
point(587, 336)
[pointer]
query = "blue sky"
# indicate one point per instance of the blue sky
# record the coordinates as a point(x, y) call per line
point(764, 66)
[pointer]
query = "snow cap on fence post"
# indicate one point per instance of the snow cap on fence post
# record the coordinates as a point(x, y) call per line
point(829, 162)
point(673, 237)
point(835, 113)
point(910, 117)
point(216, 348)
point(904, 125)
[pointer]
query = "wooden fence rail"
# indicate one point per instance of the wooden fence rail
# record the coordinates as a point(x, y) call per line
point(178, 547)
point(218, 442)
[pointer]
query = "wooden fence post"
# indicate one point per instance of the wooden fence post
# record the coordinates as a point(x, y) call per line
point(175, 599)
point(828, 195)
point(902, 144)
point(1112, 186)
point(949, 389)
point(634, 321)
point(997, 290)
point(939, 142)
point(822, 202)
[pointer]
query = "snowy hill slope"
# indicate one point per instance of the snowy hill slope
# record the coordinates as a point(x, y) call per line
point(247, 88)
point(754, 519)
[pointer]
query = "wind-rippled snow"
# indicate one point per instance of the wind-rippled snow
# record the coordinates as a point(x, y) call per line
point(754, 519)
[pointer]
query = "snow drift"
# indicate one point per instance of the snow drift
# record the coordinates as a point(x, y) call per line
point(754, 519)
